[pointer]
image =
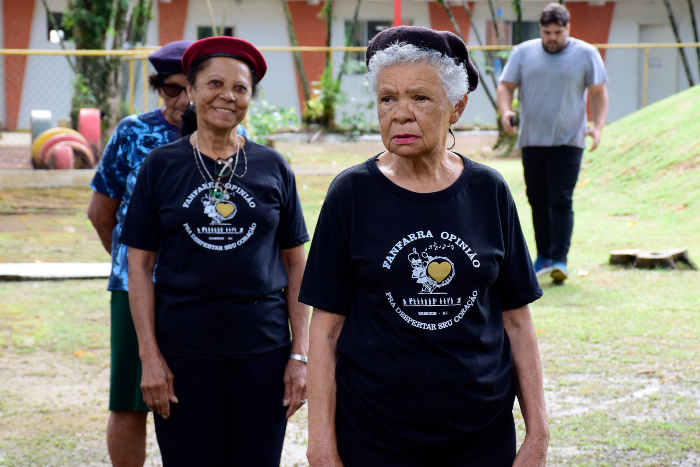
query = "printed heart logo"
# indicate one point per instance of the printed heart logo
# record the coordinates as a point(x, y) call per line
point(439, 270)
point(225, 209)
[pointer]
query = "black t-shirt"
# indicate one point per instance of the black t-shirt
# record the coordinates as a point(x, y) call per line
point(219, 278)
point(423, 278)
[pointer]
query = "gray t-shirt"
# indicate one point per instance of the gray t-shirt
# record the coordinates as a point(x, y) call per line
point(553, 91)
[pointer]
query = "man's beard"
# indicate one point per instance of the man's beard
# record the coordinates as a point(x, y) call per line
point(554, 47)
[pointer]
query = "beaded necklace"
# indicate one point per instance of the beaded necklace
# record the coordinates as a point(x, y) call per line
point(222, 168)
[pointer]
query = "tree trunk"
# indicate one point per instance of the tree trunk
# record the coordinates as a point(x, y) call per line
point(695, 31)
point(348, 38)
point(57, 27)
point(328, 10)
point(297, 56)
point(448, 10)
point(495, 23)
point(518, 9)
point(674, 26)
point(210, 9)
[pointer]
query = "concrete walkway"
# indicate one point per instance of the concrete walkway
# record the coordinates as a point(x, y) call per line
point(45, 178)
point(53, 271)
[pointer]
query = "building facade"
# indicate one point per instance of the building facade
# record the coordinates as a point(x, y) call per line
point(44, 82)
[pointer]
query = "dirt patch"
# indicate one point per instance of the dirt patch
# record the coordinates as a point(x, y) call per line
point(15, 158)
point(54, 410)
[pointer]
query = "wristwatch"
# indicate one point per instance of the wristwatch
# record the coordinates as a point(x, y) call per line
point(301, 358)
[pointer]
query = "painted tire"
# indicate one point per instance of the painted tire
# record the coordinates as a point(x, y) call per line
point(39, 122)
point(84, 158)
point(59, 138)
point(64, 157)
point(90, 126)
point(43, 137)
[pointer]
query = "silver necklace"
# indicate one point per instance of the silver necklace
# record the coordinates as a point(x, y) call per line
point(221, 170)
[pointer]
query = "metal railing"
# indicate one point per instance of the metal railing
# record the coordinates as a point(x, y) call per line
point(137, 69)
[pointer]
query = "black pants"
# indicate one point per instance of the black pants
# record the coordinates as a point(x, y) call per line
point(230, 413)
point(356, 451)
point(550, 177)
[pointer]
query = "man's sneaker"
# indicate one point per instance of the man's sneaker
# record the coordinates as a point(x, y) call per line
point(543, 266)
point(559, 272)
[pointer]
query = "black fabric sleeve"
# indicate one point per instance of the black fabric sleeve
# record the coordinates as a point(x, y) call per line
point(328, 282)
point(292, 228)
point(517, 283)
point(141, 225)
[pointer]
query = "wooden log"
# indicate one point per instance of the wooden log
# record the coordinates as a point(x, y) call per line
point(624, 257)
point(680, 255)
point(653, 259)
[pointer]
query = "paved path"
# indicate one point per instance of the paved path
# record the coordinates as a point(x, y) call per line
point(53, 271)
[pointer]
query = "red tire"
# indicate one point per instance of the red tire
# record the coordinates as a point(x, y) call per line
point(60, 138)
point(64, 157)
point(84, 158)
point(90, 126)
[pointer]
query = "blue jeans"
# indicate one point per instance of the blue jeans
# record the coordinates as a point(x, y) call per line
point(550, 176)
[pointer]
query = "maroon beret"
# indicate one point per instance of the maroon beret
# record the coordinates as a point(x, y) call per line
point(444, 42)
point(224, 46)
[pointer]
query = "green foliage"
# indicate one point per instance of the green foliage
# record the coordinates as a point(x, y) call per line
point(83, 96)
point(355, 124)
point(266, 119)
point(321, 108)
point(140, 16)
point(354, 67)
point(91, 22)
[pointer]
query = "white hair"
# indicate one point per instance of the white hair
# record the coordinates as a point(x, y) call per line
point(453, 76)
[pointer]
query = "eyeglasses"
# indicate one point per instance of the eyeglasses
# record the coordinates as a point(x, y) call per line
point(172, 90)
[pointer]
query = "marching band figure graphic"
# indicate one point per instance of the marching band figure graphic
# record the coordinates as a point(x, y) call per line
point(432, 272)
point(219, 210)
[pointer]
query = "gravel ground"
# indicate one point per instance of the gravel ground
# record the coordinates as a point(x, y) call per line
point(67, 396)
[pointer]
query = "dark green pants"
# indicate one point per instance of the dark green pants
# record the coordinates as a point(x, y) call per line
point(125, 379)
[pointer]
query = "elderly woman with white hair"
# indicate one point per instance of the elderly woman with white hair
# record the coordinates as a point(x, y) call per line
point(420, 280)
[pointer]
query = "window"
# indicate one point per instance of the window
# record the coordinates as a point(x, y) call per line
point(55, 35)
point(206, 31)
point(507, 32)
point(531, 30)
point(364, 32)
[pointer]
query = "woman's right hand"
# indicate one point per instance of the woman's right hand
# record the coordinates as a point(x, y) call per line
point(157, 385)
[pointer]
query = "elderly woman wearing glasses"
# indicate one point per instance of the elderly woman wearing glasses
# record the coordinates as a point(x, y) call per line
point(222, 216)
point(113, 184)
point(420, 280)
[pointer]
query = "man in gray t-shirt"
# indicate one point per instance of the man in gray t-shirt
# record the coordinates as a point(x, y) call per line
point(555, 75)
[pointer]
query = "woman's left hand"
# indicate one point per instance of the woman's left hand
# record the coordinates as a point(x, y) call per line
point(533, 452)
point(294, 386)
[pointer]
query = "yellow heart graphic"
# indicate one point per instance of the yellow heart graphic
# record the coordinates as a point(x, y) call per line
point(439, 271)
point(225, 209)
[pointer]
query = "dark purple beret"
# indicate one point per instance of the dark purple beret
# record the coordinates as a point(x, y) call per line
point(168, 59)
point(444, 42)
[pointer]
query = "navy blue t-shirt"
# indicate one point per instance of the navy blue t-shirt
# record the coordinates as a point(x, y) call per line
point(423, 357)
point(220, 279)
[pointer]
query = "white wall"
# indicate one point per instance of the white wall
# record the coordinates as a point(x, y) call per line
point(47, 79)
point(624, 66)
point(263, 23)
point(357, 96)
point(2, 67)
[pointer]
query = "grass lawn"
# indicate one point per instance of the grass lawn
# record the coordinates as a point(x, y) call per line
point(620, 347)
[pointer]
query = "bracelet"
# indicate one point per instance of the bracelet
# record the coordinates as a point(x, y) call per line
point(301, 358)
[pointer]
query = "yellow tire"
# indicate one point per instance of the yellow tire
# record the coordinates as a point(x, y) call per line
point(43, 137)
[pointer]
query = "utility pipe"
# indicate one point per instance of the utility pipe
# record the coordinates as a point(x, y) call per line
point(397, 13)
